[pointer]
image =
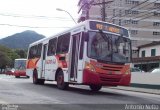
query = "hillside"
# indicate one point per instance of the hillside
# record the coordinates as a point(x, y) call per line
point(21, 40)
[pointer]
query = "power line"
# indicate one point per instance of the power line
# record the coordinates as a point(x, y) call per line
point(35, 16)
point(144, 12)
point(141, 8)
point(144, 15)
point(130, 9)
point(30, 26)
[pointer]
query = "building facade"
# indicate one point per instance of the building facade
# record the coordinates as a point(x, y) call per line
point(141, 17)
point(149, 56)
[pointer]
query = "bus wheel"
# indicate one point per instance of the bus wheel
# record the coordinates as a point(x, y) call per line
point(60, 81)
point(17, 76)
point(36, 80)
point(95, 87)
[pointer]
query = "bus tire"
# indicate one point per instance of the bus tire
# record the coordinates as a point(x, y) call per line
point(17, 76)
point(36, 80)
point(95, 87)
point(60, 81)
point(41, 81)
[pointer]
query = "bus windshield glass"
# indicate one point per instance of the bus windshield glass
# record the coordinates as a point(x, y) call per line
point(109, 47)
point(20, 64)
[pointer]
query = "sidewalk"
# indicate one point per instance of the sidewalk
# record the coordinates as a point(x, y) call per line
point(138, 89)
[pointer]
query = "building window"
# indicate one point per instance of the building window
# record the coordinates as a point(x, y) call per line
point(157, 4)
point(156, 33)
point(134, 22)
point(134, 32)
point(153, 52)
point(134, 12)
point(120, 13)
point(113, 21)
point(120, 22)
point(128, 12)
point(156, 23)
point(114, 12)
point(156, 14)
point(143, 53)
point(127, 21)
point(128, 1)
point(133, 2)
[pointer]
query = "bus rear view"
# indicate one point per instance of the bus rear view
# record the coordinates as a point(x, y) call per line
point(20, 67)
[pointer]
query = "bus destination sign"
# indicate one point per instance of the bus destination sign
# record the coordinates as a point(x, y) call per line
point(108, 27)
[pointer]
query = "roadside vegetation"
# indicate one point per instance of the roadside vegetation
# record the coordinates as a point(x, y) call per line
point(7, 57)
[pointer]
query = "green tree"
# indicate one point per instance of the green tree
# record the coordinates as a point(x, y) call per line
point(10, 54)
point(4, 60)
point(21, 53)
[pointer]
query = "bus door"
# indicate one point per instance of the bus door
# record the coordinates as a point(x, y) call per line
point(43, 60)
point(75, 64)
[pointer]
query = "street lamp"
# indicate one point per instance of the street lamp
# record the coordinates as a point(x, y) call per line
point(58, 9)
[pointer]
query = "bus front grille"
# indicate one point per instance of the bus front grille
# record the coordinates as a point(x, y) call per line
point(112, 68)
point(109, 79)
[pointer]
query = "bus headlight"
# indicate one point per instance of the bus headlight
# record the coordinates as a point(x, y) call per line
point(89, 67)
point(128, 71)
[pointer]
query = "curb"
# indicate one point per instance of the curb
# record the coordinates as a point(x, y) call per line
point(148, 86)
point(137, 89)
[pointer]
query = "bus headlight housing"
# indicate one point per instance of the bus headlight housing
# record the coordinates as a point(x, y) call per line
point(128, 71)
point(89, 67)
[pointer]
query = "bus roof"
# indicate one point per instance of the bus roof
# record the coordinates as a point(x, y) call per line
point(85, 23)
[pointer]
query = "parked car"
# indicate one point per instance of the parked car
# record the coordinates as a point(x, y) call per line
point(135, 69)
point(155, 71)
point(9, 71)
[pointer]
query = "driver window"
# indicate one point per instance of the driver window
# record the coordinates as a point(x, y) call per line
point(100, 45)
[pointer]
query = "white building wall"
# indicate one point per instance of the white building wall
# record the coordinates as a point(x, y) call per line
point(148, 51)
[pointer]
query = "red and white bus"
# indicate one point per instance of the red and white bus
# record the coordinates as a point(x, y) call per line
point(20, 67)
point(93, 53)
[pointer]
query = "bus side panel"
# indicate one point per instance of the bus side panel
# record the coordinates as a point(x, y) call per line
point(63, 64)
point(29, 72)
point(31, 65)
point(82, 64)
point(51, 66)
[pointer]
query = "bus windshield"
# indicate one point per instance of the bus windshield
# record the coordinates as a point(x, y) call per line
point(109, 47)
point(20, 64)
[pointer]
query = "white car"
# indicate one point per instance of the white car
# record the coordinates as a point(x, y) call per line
point(156, 70)
point(134, 69)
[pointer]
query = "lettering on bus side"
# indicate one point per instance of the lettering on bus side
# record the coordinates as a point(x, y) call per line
point(51, 61)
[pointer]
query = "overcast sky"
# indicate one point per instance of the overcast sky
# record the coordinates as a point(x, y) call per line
point(37, 15)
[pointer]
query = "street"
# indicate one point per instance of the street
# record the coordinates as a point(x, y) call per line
point(22, 91)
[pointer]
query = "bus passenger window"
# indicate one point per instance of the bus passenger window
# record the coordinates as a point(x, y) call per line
point(52, 47)
point(39, 49)
point(33, 52)
point(63, 44)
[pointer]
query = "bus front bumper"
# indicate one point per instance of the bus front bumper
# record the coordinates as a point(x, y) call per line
point(92, 78)
point(19, 73)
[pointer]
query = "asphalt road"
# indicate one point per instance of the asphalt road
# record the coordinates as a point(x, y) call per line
point(27, 96)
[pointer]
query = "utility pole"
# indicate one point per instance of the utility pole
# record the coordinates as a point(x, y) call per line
point(87, 5)
point(103, 10)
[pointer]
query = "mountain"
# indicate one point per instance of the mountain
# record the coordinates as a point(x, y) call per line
point(21, 40)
